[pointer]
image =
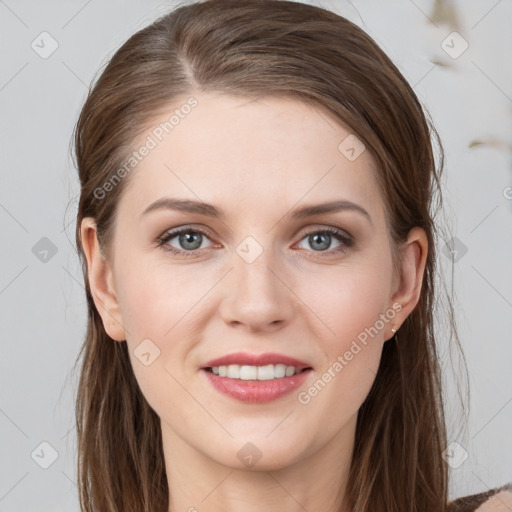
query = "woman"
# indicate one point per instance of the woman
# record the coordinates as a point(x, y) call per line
point(256, 229)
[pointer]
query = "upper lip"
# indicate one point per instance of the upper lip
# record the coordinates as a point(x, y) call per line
point(244, 358)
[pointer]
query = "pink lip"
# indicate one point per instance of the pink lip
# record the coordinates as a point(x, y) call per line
point(244, 358)
point(256, 391)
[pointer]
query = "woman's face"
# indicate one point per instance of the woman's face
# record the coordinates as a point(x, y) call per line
point(260, 277)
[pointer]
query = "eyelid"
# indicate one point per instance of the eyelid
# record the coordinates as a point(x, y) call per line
point(319, 228)
point(169, 234)
point(186, 227)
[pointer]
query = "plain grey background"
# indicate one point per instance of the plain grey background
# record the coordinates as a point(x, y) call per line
point(51, 51)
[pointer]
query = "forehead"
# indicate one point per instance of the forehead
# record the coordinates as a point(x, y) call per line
point(252, 154)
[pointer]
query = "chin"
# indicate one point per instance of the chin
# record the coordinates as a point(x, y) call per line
point(258, 453)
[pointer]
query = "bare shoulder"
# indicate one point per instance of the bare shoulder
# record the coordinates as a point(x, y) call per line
point(501, 501)
point(494, 500)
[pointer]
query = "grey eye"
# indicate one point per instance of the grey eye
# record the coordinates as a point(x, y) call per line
point(190, 240)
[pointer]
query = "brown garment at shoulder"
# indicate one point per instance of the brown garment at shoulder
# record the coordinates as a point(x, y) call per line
point(472, 502)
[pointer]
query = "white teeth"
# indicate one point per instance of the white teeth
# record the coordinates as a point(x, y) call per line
point(280, 370)
point(233, 371)
point(266, 372)
point(245, 372)
point(248, 372)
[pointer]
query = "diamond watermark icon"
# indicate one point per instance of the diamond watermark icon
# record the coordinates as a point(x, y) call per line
point(249, 454)
point(44, 250)
point(455, 455)
point(351, 147)
point(249, 249)
point(44, 45)
point(146, 352)
point(454, 249)
point(44, 455)
point(454, 45)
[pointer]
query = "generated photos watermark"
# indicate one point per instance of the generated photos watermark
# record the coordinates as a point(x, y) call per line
point(304, 397)
point(152, 140)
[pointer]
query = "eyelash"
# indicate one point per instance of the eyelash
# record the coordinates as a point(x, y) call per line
point(346, 240)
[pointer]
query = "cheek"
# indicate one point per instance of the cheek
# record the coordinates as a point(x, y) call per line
point(353, 303)
point(159, 306)
point(349, 301)
point(154, 297)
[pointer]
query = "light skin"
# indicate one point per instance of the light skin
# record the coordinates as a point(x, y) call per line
point(258, 161)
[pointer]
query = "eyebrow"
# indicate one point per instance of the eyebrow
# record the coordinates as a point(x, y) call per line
point(192, 206)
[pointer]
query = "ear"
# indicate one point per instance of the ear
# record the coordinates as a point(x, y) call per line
point(101, 281)
point(409, 281)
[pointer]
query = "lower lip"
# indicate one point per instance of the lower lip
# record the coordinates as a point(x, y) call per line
point(256, 391)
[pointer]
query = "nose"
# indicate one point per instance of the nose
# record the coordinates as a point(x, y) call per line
point(257, 296)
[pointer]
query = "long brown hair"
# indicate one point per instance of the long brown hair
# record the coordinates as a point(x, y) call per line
point(267, 48)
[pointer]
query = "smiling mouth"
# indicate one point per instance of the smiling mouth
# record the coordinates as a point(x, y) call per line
point(256, 373)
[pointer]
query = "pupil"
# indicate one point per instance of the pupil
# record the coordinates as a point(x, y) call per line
point(324, 245)
point(187, 238)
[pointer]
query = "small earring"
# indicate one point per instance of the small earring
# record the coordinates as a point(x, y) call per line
point(393, 330)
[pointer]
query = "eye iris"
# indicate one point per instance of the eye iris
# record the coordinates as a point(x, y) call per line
point(187, 237)
point(324, 245)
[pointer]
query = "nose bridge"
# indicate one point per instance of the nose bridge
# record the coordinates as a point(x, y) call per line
point(253, 261)
point(258, 296)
